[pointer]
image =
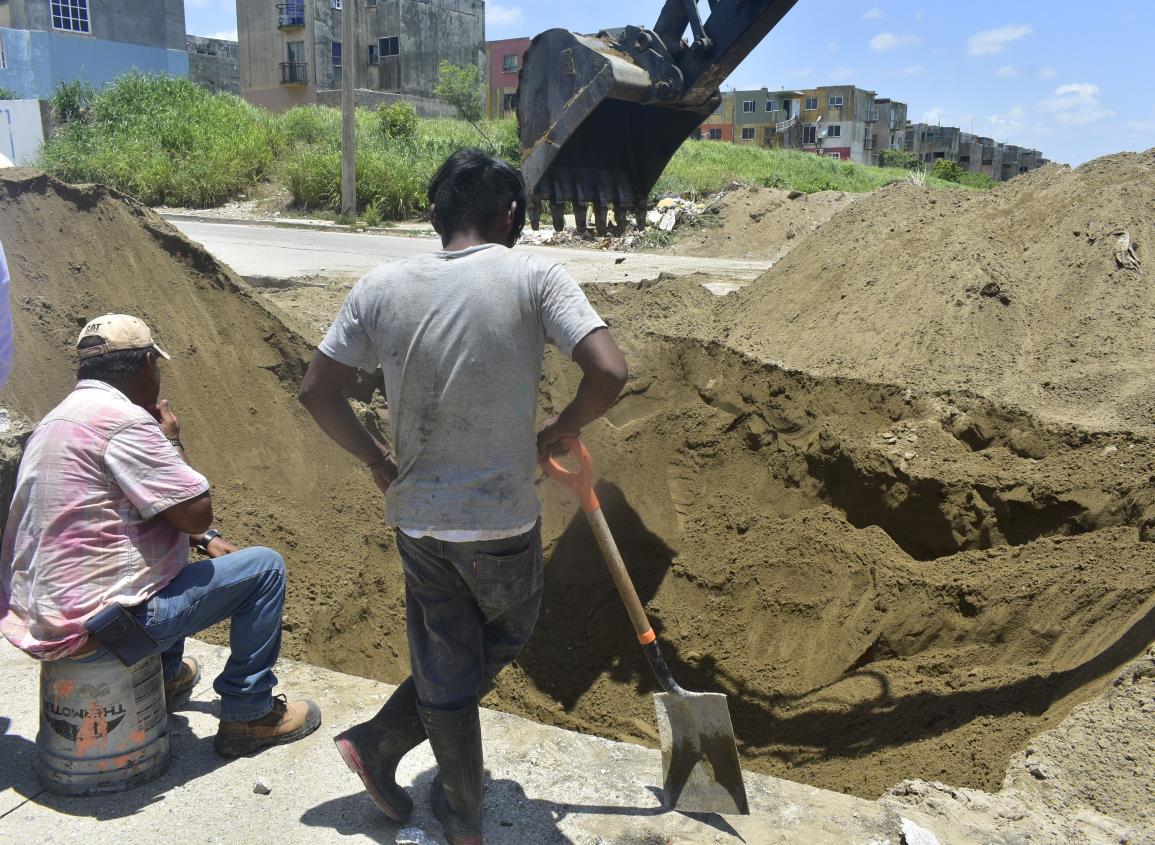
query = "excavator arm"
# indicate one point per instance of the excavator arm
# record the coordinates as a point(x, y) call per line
point(600, 116)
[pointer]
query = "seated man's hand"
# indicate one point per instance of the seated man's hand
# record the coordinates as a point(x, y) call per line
point(220, 546)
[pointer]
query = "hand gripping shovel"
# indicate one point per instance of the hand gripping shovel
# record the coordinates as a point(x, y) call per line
point(700, 767)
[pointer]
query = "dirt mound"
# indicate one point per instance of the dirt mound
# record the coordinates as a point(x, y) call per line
point(761, 223)
point(80, 251)
point(1019, 293)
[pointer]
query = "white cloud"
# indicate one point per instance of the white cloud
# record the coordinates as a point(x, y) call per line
point(842, 74)
point(913, 70)
point(992, 41)
point(888, 41)
point(832, 47)
point(1011, 120)
point(1076, 104)
point(872, 14)
point(1146, 126)
point(1045, 73)
point(1007, 72)
point(225, 35)
point(499, 15)
point(800, 73)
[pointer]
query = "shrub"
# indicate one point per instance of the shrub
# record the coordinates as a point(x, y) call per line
point(72, 100)
point(311, 125)
point(7, 94)
point(397, 119)
point(898, 158)
point(949, 171)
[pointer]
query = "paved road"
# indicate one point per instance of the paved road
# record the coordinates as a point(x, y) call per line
point(291, 253)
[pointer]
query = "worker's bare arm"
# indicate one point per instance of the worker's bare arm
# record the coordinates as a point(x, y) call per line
point(604, 374)
point(193, 516)
point(323, 395)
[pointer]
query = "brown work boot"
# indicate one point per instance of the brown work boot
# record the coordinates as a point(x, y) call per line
point(288, 721)
point(179, 690)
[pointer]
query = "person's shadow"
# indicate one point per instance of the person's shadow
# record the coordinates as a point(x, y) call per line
point(192, 757)
point(511, 816)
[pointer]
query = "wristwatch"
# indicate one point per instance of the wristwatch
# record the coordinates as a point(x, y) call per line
point(205, 539)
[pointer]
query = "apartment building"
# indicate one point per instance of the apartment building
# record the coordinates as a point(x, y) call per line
point(767, 118)
point(974, 153)
point(291, 52)
point(213, 65)
point(504, 62)
point(46, 42)
point(719, 126)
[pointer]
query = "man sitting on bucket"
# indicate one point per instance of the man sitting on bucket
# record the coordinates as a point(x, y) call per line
point(104, 511)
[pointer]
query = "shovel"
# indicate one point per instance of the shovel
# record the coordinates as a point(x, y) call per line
point(700, 768)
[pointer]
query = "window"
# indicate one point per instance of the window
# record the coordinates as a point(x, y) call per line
point(747, 106)
point(336, 54)
point(70, 15)
point(811, 103)
point(336, 4)
point(986, 162)
point(771, 105)
point(509, 102)
point(809, 134)
point(390, 46)
point(834, 102)
point(835, 155)
point(964, 159)
point(940, 155)
point(510, 63)
point(834, 130)
point(3, 63)
point(373, 54)
point(715, 134)
point(747, 133)
point(371, 3)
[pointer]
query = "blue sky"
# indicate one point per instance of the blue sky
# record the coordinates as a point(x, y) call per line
point(1076, 80)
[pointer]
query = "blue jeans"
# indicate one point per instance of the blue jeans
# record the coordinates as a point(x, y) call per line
point(469, 608)
point(247, 587)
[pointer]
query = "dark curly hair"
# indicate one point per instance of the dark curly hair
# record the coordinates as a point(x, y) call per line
point(472, 188)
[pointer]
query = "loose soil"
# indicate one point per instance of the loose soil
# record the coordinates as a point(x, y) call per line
point(888, 581)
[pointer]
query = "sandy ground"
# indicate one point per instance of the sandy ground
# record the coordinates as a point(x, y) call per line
point(891, 577)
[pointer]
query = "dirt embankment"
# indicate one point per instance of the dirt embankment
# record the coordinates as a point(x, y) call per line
point(1020, 293)
point(761, 223)
point(888, 583)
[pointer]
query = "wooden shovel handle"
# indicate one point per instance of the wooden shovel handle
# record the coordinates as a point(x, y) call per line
point(581, 482)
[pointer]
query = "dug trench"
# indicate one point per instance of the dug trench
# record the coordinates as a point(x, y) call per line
point(887, 584)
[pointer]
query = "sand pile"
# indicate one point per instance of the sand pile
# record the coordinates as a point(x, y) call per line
point(78, 252)
point(760, 223)
point(887, 585)
point(1022, 294)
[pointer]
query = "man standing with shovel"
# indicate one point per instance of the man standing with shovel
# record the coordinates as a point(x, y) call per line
point(459, 335)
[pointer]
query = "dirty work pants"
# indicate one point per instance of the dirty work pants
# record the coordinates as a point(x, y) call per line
point(470, 607)
point(246, 587)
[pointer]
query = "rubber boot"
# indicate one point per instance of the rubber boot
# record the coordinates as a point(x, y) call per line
point(373, 749)
point(455, 737)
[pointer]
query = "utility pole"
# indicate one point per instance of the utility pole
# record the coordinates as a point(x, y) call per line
point(350, 55)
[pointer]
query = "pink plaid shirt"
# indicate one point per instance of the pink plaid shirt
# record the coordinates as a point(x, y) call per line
point(82, 532)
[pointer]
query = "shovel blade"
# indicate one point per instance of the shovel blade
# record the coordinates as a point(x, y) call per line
point(700, 767)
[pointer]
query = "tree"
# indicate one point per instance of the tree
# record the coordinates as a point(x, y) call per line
point(461, 88)
point(948, 170)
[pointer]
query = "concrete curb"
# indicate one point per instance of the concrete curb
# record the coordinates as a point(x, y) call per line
point(310, 225)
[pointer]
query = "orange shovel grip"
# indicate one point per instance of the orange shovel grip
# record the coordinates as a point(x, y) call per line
point(582, 481)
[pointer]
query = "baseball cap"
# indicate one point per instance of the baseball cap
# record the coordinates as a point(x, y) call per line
point(119, 332)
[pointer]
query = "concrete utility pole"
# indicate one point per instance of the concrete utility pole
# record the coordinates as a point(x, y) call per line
point(350, 55)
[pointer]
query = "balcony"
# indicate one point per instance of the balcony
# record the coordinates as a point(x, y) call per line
point(290, 16)
point(294, 73)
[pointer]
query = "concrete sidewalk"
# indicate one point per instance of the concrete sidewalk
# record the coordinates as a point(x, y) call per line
point(546, 785)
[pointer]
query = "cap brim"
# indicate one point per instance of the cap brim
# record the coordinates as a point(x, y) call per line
point(162, 353)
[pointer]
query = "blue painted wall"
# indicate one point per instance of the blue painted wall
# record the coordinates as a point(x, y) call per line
point(39, 61)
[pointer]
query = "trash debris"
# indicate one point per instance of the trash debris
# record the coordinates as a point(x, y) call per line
point(1125, 256)
point(913, 834)
point(414, 836)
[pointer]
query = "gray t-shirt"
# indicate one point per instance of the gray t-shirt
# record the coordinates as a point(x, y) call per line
point(459, 337)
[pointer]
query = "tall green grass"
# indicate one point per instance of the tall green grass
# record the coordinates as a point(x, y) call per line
point(167, 141)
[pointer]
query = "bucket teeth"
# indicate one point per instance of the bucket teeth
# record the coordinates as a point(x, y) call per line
point(600, 218)
point(581, 211)
point(557, 212)
point(535, 214)
point(640, 216)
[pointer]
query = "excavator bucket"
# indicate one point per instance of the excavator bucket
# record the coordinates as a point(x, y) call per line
point(600, 116)
point(588, 135)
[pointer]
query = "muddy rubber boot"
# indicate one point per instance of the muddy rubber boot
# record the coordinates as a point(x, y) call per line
point(455, 736)
point(373, 749)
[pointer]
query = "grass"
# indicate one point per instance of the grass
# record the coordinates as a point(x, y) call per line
point(167, 141)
